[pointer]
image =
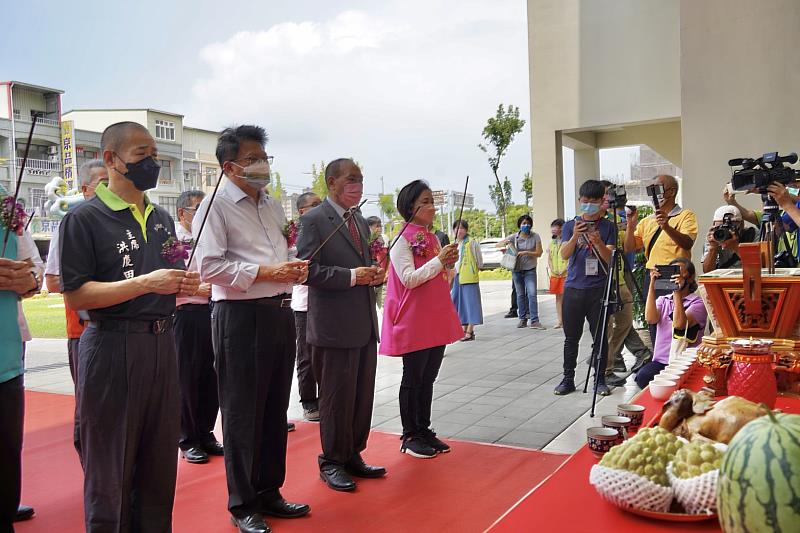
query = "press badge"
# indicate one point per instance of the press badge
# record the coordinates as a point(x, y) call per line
point(592, 266)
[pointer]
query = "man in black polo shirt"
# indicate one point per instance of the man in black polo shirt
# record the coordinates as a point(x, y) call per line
point(114, 266)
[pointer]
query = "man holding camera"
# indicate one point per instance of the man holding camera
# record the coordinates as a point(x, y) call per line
point(723, 239)
point(666, 234)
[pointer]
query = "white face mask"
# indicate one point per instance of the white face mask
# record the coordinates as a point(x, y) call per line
point(256, 175)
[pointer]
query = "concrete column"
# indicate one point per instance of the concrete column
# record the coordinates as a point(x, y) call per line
point(738, 94)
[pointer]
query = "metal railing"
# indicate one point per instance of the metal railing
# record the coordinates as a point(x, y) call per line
point(43, 121)
point(40, 164)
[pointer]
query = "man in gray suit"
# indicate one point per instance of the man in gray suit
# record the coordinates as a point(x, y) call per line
point(342, 324)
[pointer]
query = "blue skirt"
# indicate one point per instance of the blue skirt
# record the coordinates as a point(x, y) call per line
point(467, 299)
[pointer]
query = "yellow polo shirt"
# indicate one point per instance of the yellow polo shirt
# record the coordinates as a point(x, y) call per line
point(665, 249)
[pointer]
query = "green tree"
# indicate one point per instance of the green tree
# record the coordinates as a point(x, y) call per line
point(387, 205)
point(501, 200)
point(274, 187)
point(527, 188)
point(318, 185)
point(499, 132)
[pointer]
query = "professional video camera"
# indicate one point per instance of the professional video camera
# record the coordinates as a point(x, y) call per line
point(617, 196)
point(726, 230)
point(759, 173)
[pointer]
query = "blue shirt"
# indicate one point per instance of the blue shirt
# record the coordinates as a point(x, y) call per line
point(576, 270)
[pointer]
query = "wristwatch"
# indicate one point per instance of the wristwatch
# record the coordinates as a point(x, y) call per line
point(38, 282)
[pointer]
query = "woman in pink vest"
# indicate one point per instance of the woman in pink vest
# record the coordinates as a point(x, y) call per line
point(419, 319)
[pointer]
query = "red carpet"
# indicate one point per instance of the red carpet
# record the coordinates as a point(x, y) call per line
point(466, 490)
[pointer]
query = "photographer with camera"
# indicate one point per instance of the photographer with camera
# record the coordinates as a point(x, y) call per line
point(721, 249)
point(586, 244)
point(620, 327)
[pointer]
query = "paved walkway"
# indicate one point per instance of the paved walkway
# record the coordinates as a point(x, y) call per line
point(497, 389)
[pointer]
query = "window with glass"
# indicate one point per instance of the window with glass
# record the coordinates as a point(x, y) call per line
point(165, 176)
point(170, 203)
point(165, 130)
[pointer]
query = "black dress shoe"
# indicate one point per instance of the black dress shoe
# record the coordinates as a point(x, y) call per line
point(511, 314)
point(253, 523)
point(24, 512)
point(213, 448)
point(359, 468)
point(290, 427)
point(283, 509)
point(195, 456)
point(337, 478)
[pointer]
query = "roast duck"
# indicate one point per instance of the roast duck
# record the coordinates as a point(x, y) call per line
point(691, 414)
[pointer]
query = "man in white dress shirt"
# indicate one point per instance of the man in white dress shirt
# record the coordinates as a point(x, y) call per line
point(199, 400)
point(243, 253)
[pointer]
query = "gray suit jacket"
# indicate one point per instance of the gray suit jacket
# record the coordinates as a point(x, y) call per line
point(339, 316)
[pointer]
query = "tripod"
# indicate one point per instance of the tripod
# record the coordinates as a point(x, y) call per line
point(611, 301)
point(769, 221)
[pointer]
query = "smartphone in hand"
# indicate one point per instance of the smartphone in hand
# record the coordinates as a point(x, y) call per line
point(664, 282)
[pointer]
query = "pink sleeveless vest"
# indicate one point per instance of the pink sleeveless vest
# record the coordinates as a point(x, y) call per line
point(419, 318)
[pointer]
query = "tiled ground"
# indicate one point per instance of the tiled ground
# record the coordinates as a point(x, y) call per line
point(497, 389)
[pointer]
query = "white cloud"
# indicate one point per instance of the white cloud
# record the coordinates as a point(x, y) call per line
point(404, 88)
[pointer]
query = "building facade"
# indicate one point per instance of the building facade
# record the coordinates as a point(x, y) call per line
point(669, 74)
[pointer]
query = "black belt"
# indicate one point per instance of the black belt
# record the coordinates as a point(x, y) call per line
point(193, 307)
point(156, 327)
point(281, 300)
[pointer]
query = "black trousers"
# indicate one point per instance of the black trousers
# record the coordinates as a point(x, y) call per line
point(306, 381)
point(12, 413)
point(196, 374)
point(346, 391)
point(513, 307)
point(254, 346)
point(581, 305)
point(73, 349)
point(648, 372)
point(420, 370)
point(128, 404)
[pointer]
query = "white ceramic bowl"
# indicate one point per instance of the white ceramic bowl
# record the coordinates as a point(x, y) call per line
point(671, 375)
point(662, 389)
point(678, 367)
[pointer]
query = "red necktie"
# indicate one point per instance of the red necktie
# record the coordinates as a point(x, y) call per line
point(351, 225)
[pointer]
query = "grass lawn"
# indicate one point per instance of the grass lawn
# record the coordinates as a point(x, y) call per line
point(46, 317)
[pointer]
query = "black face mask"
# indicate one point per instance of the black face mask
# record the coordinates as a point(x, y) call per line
point(143, 174)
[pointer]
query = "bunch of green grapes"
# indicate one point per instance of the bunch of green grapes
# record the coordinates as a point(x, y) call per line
point(696, 458)
point(647, 454)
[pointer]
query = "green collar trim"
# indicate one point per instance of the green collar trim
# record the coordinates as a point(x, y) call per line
point(115, 203)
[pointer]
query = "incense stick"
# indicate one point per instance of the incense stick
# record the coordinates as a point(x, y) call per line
point(347, 217)
point(19, 183)
point(205, 217)
point(403, 229)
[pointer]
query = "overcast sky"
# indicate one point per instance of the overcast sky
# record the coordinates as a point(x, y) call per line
point(405, 87)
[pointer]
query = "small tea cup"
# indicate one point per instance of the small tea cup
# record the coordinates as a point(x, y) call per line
point(602, 439)
point(632, 411)
point(662, 389)
point(620, 423)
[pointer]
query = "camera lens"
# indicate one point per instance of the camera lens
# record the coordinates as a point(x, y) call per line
point(722, 234)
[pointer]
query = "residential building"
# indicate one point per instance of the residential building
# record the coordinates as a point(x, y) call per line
point(18, 104)
point(200, 167)
point(165, 127)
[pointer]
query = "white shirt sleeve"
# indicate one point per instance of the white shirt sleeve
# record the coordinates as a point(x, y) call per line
point(26, 249)
point(476, 251)
point(53, 267)
point(210, 253)
point(403, 263)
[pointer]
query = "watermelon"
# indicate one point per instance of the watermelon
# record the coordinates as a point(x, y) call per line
point(759, 482)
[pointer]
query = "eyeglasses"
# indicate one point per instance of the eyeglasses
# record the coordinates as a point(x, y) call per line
point(253, 160)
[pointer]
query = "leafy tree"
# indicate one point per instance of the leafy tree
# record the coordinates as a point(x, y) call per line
point(501, 200)
point(388, 207)
point(318, 184)
point(527, 188)
point(499, 132)
point(274, 187)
